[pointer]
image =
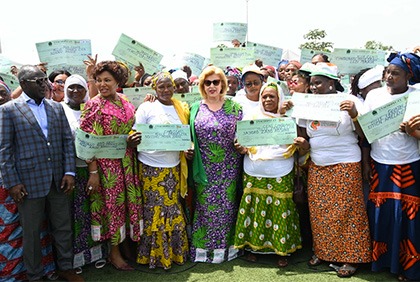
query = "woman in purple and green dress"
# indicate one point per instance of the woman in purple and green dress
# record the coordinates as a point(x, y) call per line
point(113, 184)
point(215, 169)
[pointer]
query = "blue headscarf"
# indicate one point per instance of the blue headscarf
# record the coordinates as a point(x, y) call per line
point(282, 62)
point(409, 62)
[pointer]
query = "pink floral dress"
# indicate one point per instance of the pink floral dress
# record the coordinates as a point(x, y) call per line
point(117, 204)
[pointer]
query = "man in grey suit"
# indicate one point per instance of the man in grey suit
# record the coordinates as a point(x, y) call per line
point(37, 163)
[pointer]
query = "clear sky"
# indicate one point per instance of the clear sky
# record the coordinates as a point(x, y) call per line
point(170, 26)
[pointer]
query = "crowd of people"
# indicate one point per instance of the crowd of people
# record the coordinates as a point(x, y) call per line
point(219, 199)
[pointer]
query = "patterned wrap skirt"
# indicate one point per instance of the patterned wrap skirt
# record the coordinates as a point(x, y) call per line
point(11, 250)
point(85, 250)
point(339, 221)
point(393, 208)
point(164, 240)
point(268, 221)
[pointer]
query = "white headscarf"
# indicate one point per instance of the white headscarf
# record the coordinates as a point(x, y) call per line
point(75, 79)
point(179, 74)
point(370, 76)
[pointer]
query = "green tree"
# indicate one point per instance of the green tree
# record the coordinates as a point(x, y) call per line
point(314, 38)
point(372, 44)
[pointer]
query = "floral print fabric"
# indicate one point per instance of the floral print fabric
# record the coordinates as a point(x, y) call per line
point(118, 200)
point(215, 202)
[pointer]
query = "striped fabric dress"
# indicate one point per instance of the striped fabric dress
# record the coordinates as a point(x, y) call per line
point(11, 260)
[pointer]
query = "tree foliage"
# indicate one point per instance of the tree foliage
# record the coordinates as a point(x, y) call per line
point(314, 41)
point(372, 44)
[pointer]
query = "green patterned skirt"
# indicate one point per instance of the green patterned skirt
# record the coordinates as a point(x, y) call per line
point(268, 221)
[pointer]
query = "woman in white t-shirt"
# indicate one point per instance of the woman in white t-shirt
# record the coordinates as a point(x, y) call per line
point(163, 175)
point(252, 80)
point(75, 94)
point(338, 215)
point(394, 197)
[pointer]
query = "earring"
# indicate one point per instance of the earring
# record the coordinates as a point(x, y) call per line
point(330, 87)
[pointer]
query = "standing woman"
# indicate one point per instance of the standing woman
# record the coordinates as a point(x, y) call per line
point(252, 79)
point(338, 215)
point(114, 186)
point(268, 222)
point(164, 175)
point(84, 248)
point(215, 169)
point(234, 79)
point(394, 196)
point(58, 78)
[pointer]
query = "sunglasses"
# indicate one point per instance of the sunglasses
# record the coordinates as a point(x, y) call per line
point(209, 82)
point(255, 83)
point(38, 81)
point(59, 81)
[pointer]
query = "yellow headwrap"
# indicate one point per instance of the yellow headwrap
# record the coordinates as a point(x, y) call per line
point(159, 76)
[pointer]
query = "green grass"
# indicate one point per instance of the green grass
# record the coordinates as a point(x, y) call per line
point(237, 270)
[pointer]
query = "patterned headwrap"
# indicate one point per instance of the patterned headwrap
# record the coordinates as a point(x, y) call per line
point(275, 87)
point(159, 76)
point(229, 71)
point(5, 87)
point(409, 62)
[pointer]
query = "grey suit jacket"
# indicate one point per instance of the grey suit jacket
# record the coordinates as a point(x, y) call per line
point(26, 156)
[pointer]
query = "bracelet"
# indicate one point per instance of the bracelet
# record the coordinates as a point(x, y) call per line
point(355, 118)
point(93, 172)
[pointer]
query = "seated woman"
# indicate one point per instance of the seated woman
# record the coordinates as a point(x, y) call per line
point(163, 175)
point(268, 221)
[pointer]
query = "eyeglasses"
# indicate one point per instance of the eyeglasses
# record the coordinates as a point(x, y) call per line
point(75, 88)
point(59, 81)
point(255, 83)
point(209, 82)
point(39, 81)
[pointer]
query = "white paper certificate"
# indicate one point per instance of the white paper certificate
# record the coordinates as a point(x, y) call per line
point(317, 106)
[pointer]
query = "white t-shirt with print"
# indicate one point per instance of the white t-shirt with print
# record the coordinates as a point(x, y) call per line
point(333, 142)
point(398, 147)
point(157, 113)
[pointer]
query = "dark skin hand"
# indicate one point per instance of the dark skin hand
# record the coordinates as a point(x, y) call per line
point(18, 193)
point(134, 139)
point(67, 184)
point(189, 154)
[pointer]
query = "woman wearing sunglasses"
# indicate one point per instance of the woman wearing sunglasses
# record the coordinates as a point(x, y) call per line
point(252, 79)
point(215, 169)
point(58, 78)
